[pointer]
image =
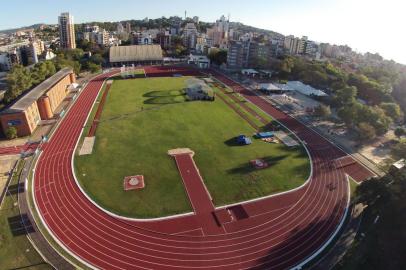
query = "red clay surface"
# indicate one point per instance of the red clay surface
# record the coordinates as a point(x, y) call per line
point(277, 232)
point(96, 119)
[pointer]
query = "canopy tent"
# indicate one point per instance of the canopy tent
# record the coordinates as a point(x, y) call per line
point(264, 134)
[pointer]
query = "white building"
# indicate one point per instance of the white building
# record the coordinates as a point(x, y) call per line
point(201, 61)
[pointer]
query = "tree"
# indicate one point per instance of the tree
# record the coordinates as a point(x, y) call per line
point(218, 56)
point(322, 111)
point(392, 110)
point(62, 62)
point(286, 66)
point(370, 90)
point(97, 59)
point(400, 131)
point(11, 133)
point(18, 80)
point(94, 68)
point(345, 96)
point(366, 131)
point(399, 149)
point(347, 113)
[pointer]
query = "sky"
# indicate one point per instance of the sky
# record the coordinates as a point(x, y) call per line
point(364, 25)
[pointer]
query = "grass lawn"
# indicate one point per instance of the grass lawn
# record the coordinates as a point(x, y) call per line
point(16, 252)
point(144, 118)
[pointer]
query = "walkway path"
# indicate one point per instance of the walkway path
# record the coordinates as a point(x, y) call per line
point(198, 194)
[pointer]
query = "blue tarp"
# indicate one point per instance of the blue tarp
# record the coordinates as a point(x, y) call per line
point(264, 134)
point(242, 139)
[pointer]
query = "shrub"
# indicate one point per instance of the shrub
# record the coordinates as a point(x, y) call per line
point(11, 133)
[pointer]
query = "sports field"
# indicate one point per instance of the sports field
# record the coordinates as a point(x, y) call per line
point(144, 118)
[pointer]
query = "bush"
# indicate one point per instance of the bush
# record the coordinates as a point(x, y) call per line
point(400, 131)
point(322, 111)
point(94, 68)
point(11, 133)
point(366, 131)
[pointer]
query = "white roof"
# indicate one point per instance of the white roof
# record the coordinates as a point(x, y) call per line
point(268, 86)
point(301, 88)
point(249, 70)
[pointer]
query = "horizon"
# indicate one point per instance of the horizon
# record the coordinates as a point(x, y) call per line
point(335, 22)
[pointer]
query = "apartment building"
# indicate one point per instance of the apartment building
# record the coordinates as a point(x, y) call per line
point(66, 31)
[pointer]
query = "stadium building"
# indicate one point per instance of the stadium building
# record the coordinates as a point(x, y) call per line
point(136, 54)
point(38, 104)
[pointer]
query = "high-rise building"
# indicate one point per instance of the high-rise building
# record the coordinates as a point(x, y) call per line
point(120, 28)
point(238, 54)
point(295, 45)
point(128, 27)
point(66, 31)
point(164, 39)
point(190, 35)
point(219, 33)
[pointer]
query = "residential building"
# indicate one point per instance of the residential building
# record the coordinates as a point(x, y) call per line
point(10, 58)
point(201, 61)
point(128, 27)
point(95, 34)
point(220, 31)
point(120, 28)
point(237, 54)
point(164, 39)
point(295, 45)
point(66, 31)
point(190, 36)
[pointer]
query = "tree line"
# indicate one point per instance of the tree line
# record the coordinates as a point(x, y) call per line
point(21, 79)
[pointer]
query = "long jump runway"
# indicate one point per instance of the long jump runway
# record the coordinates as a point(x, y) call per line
point(279, 232)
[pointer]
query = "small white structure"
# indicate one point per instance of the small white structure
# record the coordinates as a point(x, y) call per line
point(73, 86)
point(268, 87)
point(197, 89)
point(200, 60)
point(250, 72)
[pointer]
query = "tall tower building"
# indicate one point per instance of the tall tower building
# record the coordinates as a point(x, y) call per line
point(66, 31)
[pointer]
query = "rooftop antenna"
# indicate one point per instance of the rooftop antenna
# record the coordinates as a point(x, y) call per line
point(185, 15)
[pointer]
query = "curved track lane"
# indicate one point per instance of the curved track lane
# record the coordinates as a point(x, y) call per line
point(281, 231)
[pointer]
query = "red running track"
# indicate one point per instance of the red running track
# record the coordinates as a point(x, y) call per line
point(280, 232)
